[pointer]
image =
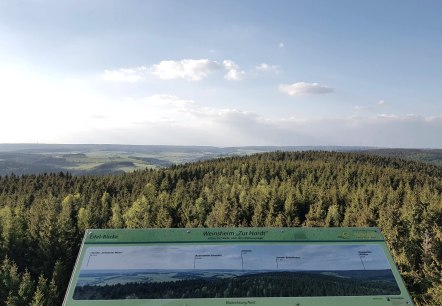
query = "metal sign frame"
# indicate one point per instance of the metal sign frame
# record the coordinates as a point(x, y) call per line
point(236, 266)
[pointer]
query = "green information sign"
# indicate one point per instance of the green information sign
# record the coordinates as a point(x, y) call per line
point(236, 266)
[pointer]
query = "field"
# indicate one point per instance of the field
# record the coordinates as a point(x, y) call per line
point(95, 159)
point(106, 159)
point(149, 276)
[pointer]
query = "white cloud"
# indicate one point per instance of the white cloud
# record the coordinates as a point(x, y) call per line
point(430, 119)
point(234, 73)
point(281, 45)
point(264, 67)
point(130, 75)
point(171, 120)
point(381, 102)
point(361, 108)
point(188, 69)
point(54, 107)
point(406, 117)
point(384, 130)
point(303, 88)
point(388, 116)
point(168, 119)
point(151, 109)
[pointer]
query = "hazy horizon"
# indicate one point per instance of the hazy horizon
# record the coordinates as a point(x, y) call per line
point(349, 147)
point(222, 74)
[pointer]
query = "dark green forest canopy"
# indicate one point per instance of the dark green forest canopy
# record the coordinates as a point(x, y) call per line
point(43, 217)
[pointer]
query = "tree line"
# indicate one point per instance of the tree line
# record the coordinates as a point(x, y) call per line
point(43, 217)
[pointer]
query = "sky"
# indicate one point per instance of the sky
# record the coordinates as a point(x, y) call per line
point(222, 73)
point(258, 257)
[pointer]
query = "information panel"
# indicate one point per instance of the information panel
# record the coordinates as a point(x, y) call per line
point(236, 266)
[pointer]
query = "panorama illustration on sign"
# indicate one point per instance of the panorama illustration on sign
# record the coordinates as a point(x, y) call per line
point(221, 271)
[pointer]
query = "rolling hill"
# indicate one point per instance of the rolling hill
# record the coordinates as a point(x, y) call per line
point(106, 159)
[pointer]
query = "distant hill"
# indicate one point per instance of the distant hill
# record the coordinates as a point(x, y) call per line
point(430, 156)
point(106, 159)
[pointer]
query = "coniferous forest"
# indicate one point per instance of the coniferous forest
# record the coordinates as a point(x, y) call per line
point(43, 217)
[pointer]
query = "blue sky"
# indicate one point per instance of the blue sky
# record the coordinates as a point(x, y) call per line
point(261, 257)
point(223, 73)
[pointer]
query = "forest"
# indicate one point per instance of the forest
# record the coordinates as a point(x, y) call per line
point(43, 217)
